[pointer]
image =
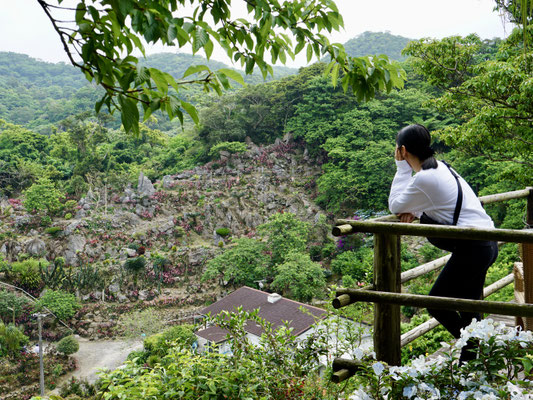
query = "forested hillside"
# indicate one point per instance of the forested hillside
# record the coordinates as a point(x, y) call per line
point(124, 236)
point(377, 43)
point(38, 94)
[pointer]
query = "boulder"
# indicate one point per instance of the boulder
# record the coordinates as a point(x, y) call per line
point(144, 186)
point(36, 247)
point(69, 230)
point(114, 288)
point(167, 181)
point(75, 244)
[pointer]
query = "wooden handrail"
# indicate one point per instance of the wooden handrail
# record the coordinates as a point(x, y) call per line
point(424, 268)
point(427, 230)
point(494, 198)
point(443, 303)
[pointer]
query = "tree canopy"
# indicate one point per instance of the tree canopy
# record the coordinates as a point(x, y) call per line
point(106, 34)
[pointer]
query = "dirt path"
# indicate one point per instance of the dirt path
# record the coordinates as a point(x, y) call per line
point(97, 354)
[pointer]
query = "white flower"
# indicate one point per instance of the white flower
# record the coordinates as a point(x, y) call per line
point(358, 353)
point(378, 368)
point(360, 395)
point(409, 391)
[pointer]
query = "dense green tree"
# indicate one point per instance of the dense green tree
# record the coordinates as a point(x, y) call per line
point(244, 263)
point(42, 197)
point(491, 95)
point(284, 233)
point(299, 277)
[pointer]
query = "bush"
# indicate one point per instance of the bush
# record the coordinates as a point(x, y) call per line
point(140, 355)
point(177, 336)
point(68, 345)
point(11, 339)
point(64, 305)
point(10, 301)
point(230, 147)
point(42, 196)
point(27, 273)
point(358, 264)
point(223, 232)
point(135, 265)
point(68, 216)
point(53, 230)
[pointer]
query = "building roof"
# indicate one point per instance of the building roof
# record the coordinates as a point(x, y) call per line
point(283, 310)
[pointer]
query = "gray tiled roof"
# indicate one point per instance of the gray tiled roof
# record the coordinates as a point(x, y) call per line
point(275, 313)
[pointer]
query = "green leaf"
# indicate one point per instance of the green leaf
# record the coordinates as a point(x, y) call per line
point(193, 69)
point(208, 48)
point(80, 12)
point(129, 114)
point(191, 110)
point(335, 74)
point(200, 39)
point(309, 52)
point(159, 78)
point(232, 74)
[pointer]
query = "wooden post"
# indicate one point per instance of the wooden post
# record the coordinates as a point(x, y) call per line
point(527, 259)
point(387, 316)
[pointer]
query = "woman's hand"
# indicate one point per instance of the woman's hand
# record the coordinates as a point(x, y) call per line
point(398, 154)
point(406, 217)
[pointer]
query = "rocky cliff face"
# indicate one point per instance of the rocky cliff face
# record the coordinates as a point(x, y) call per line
point(176, 217)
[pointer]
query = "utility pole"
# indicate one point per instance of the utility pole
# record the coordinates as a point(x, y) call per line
point(41, 366)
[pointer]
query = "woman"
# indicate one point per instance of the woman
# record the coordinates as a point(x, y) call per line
point(434, 190)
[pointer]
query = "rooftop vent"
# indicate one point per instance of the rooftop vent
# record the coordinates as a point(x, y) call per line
point(274, 297)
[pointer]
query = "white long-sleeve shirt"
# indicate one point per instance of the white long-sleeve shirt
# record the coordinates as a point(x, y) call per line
point(434, 191)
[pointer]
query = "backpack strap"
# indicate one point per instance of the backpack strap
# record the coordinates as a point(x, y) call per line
point(459, 202)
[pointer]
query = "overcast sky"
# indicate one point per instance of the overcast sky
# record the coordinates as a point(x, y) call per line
point(25, 29)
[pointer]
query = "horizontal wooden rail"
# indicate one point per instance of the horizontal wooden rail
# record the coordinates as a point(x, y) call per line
point(424, 269)
point(517, 194)
point(446, 303)
point(344, 368)
point(346, 226)
point(432, 323)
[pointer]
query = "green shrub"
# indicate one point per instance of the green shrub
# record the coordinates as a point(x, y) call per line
point(430, 252)
point(70, 205)
point(11, 339)
point(46, 221)
point(358, 264)
point(140, 355)
point(223, 232)
point(230, 147)
point(135, 265)
point(176, 336)
point(153, 360)
point(27, 273)
point(53, 230)
point(64, 305)
point(68, 216)
point(11, 303)
point(42, 196)
point(68, 345)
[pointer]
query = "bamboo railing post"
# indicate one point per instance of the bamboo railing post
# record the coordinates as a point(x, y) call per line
point(527, 259)
point(387, 316)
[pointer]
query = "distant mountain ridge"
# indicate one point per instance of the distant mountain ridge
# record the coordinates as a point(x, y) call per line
point(39, 94)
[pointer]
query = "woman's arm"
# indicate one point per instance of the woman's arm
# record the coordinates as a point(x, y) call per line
point(405, 196)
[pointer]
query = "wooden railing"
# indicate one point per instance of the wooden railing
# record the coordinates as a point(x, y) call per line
point(385, 291)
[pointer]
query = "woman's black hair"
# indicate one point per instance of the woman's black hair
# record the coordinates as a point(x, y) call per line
point(417, 141)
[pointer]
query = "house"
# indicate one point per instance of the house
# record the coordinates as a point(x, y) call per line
point(274, 309)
